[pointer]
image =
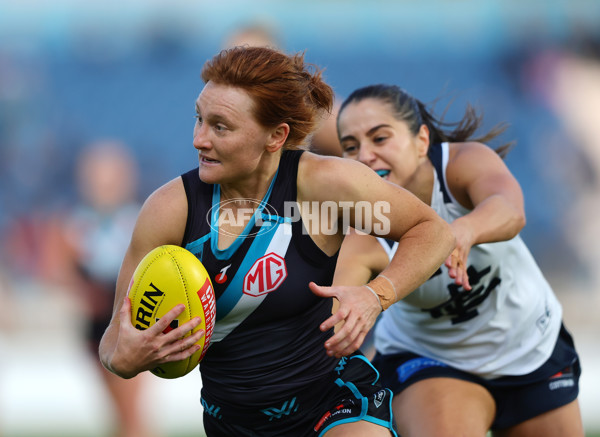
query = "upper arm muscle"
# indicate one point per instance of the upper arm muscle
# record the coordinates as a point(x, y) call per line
point(161, 221)
point(476, 172)
point(391, 211)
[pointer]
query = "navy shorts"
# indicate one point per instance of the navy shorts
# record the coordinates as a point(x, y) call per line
point(352, 393)
point(518, 398)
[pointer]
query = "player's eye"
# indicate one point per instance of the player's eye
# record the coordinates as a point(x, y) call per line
point(350, 149)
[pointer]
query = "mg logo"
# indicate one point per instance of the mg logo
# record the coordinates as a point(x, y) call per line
point(265, 275)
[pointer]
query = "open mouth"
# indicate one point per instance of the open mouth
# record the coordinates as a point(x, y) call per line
point(382, 173)
point(206, 160)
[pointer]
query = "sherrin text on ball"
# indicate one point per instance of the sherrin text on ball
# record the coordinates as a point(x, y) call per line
point(169, 275)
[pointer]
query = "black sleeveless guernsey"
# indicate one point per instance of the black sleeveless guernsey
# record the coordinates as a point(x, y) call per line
point(267, 348)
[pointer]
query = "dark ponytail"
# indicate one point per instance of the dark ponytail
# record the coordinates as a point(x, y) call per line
point(415, 113)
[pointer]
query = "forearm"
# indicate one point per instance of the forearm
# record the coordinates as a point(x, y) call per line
point(494, 219)
point(421, 251)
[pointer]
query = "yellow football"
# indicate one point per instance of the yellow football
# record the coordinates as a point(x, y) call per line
point(169, 275)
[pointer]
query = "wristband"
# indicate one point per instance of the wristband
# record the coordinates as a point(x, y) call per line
point(376, 295)
point(386, 291)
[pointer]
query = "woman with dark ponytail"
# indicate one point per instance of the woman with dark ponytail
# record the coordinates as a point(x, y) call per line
point(480, 345)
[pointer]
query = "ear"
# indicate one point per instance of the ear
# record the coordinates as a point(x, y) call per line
point(277, 137)
point(423, 140)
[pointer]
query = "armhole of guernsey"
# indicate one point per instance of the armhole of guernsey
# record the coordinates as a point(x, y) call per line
point(191, 180)
point(304, 243)
point(438, 155)
point(390, 246)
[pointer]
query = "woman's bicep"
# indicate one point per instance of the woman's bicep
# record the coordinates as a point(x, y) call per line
point(161, 220)
point(367, 202)
point(476, 173)
point(405, 211)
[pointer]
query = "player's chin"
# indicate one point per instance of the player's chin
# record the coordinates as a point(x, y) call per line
point(209, 175)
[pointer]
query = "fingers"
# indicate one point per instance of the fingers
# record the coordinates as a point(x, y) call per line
point(326, 292)
point(457, 268)
point(139, 350)
point(320, 291)
point(355, 316)
point(332, 321)
point(453, 262)
point(348, 339)
point(164, 322)
point(460, 276)
point(178, 343)
point(181, 331)
point(465, 279)
point(352, 346)
point(182, 348)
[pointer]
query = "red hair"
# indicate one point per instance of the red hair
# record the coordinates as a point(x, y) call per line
point(284, 88)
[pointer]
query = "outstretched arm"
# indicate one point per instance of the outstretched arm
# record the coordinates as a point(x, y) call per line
point(425, 241)
point(481, 182)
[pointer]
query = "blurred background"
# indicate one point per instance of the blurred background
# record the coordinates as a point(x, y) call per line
point(117, 81)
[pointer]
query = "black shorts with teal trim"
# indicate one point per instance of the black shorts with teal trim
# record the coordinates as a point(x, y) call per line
point(518, 398)
point(351, 393)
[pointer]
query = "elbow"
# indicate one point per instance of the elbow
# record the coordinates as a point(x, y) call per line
point(521, 221)
point(517, 222)
point(516, 215)
point(104, 356)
